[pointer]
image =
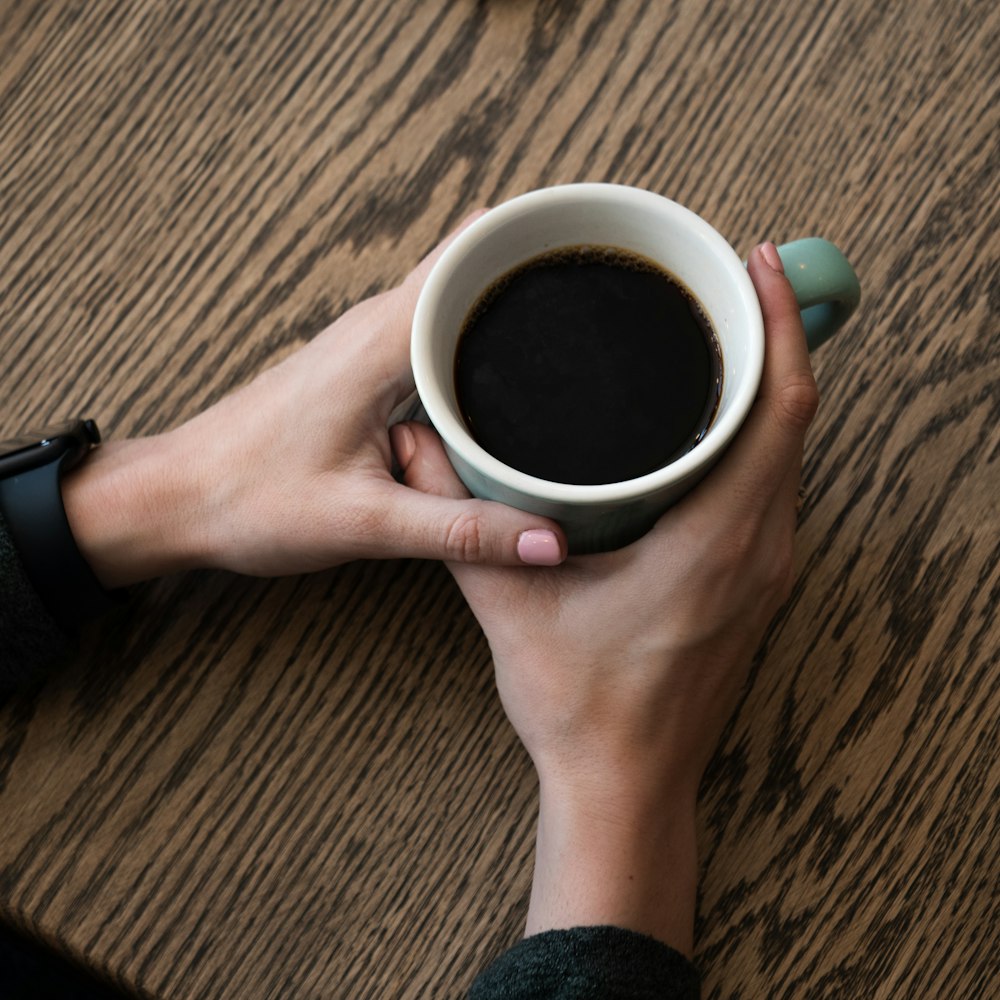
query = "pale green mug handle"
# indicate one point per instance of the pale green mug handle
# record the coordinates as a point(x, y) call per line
point(825, 285)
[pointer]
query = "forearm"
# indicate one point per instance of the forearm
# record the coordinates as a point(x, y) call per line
point(136, 510)
point(625, 858)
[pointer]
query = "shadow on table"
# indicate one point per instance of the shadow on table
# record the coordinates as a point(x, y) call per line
point(32, 971)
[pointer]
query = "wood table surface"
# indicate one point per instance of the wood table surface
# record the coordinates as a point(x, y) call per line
point(306, 787)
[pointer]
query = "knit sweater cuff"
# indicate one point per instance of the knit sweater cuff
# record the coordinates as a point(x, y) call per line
point(30, 640)
point(603, 963)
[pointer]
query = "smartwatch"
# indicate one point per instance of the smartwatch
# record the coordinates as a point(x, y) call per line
point(31, 470)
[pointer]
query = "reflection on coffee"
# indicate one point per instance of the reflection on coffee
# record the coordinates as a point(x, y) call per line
point(587, 365)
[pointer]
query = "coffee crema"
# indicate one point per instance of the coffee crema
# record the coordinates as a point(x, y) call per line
point(587, 365)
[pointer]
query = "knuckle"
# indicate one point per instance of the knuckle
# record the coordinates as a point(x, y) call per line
point(465, 538)
point(798, 399)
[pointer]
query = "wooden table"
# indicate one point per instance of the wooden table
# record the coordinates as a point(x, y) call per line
point(306, 787)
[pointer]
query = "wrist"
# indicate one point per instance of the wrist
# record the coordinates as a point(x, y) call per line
point(612, 743)
point(133, 507)
point(620, 855)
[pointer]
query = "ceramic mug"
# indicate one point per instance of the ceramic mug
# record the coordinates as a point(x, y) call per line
point(607, 516)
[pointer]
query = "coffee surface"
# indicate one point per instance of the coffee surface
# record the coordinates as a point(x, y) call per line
point(587, 365)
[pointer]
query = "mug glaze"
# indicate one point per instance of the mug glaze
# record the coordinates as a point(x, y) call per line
point(607, 516)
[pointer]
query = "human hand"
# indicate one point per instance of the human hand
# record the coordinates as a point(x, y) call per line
point(619, 671)
point(291, 473)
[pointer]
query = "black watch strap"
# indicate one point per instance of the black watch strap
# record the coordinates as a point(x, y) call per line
point(32, 506)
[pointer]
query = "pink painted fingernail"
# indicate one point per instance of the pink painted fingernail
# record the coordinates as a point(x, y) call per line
point(539, 547)
point(770, 254)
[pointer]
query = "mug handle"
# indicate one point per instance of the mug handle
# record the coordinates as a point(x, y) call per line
point(825, 285)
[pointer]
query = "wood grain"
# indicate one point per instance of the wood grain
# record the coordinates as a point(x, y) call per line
point(307, 787)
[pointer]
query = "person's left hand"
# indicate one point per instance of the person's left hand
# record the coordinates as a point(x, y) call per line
point(292, 473)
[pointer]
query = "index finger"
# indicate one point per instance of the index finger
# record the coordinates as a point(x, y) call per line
point(787, 385)
point(765, 457)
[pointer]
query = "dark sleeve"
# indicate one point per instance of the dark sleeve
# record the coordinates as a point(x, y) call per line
point(588, 963)
point(30, 640)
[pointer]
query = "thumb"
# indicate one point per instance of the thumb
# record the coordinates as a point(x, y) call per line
point(433, 517)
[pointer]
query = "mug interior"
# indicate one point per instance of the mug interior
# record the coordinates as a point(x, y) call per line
point(595, 214)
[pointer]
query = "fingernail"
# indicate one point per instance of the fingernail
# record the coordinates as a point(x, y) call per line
point(403, 444)
point(770, 254)
point(539, 547)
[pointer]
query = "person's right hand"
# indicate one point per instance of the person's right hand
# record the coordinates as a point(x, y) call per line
point(619, 671)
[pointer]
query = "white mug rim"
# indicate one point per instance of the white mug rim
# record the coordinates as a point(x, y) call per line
point(460, 441)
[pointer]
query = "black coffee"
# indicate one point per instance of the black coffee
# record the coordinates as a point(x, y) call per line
point(587, 365)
